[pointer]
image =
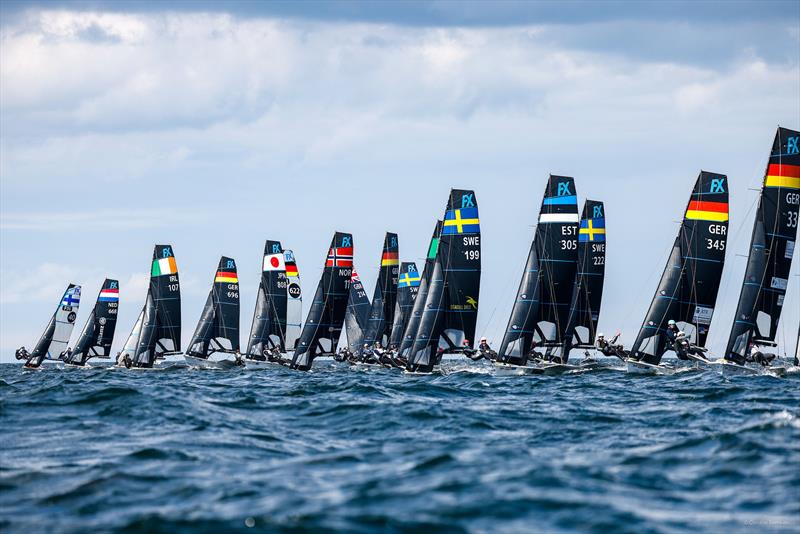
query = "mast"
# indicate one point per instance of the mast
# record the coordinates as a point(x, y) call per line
point(356, 318)
point(157, 331)
point(381, 316)
point(218, 327)
point(55, 337)
point(771, 250)
point(294, 301)
point(687, 292)
point(451, 305)
point(584, 311)
point(98, 333)
point(407, 289)
point(323, 325)
point(268, 330)
point(422, 294)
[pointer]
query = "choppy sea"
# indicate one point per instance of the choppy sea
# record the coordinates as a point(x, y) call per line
point(360, 450)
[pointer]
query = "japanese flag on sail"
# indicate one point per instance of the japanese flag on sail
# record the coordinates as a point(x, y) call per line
point(274, 262)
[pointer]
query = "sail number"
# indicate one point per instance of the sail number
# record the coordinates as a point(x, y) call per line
point(715, 244)
point(472, 254)
point(569, 244)
point(792, 222)
point(599, 260)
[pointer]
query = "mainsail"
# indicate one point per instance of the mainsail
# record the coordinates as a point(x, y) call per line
point(422, 294)
point(451, 306)
point(157, 331)
point(218, 327)
point(541, 310)
point(325, 317)
point(381, 315)
point(357, 316)
point(98, 333)
point(587, 294)
point(407, 290)
point(687, 292)
point(268, 331)
point(294, 302)
point(771, 250)
point(56, 334)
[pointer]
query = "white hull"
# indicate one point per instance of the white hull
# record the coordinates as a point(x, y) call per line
point(505, 369)
point(558, 369)
point(733, 369)
point(201, 363)
point(642, 368)
point(257, 365)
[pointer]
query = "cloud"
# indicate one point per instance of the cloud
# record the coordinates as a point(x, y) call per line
point(109, 218)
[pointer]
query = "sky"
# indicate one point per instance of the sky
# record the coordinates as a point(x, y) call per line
point(213, 127)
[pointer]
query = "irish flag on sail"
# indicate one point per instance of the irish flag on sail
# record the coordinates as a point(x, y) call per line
point(164, 266)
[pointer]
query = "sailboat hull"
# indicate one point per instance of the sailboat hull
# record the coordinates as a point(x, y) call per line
point(733, 369)
point(203, 363)
point(559, 369)
point(642, 368)
point(505, 369)
point(257, 365)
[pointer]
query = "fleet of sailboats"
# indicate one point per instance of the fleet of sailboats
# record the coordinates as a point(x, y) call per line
point(415, 317)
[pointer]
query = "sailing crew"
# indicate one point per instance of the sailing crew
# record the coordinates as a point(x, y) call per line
point(22, 353)
point(485, 350)
point(676, 340)
point(608, 347)
point(756, 356)
point(66, 355)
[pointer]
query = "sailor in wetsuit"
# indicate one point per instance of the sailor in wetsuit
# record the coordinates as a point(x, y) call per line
point(761, 358)
point(676, 340)
point(609, 348)
point(66, 355)
point(22, 353)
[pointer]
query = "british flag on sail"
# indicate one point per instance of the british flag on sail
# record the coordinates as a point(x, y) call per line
point(340, 257)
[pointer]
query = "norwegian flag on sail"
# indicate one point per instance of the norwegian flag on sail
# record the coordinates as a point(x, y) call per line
point(340, 257)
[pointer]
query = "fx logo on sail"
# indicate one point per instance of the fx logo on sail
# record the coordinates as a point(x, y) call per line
point(791, 146)
point(717, 185)
point(468, 201)
point(346, 242)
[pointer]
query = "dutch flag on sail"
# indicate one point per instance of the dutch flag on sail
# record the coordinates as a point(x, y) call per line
point(109, 295)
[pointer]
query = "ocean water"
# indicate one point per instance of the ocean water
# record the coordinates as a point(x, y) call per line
point(360, 450)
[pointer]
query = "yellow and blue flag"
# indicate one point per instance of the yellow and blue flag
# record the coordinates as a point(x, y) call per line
point(461, 221)
point(592, 230)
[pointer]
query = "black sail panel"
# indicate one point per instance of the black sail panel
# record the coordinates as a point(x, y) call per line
point(98, 333)
point(587, 294)
point(324, 322)
point(557, 249)
point(381, 317)
point(771, 249)
point(357, 316)
point(407, 290)
point(518, 338)
point(419, 304)
point(268, 329)
point(424, 353)
point(218, 327)
point(145, 351)
point(166, 291)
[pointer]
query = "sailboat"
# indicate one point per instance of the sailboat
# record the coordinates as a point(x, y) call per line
point(294, 302)
point(687, 292)
point(218, 328)
point(769, 262)
point(412, 325)
point(587, 293)
point(268, 332)
point(325, 318)
point(53, 341)
point(542, 307)
point(448, 321)
point(356, 317)
point(407, 290)
point(384, 298)
point(157, 331)
point(98, 333)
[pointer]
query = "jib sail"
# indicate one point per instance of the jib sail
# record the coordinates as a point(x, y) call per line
point(587, 294)
point(381, 315)
point(687, 292)
point(218, 327)
point(98, 333)
point(323, 325)
point(294, 301)
point(407, 289)
point(267, 331)
point(451, 307)
point(357, 316)
point(771, 249)
point(55, 338)
point(157, 331)
point(419, 304)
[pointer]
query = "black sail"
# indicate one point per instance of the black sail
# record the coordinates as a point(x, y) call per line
point(157, 332)
point(218, 327)
point(687, 292)
point(422, 294)
point(451, 306)
point(357, 316)
point(381, 317)
point(407, 289)
point(98, 333)
point(324, 322)
point(587, 294)
point(771, 249)
point(268, 330)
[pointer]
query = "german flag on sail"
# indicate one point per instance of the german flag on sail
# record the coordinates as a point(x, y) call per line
point(700, 210)
point(592, 230)
point(783, 175)
point(389, 259)
point(291, 270)
point(226, 277)
point(461, 221)
point(164, 266)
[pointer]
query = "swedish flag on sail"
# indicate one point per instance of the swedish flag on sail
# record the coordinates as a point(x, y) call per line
point(409, 279)
point(592, 230)
point(461, 221)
